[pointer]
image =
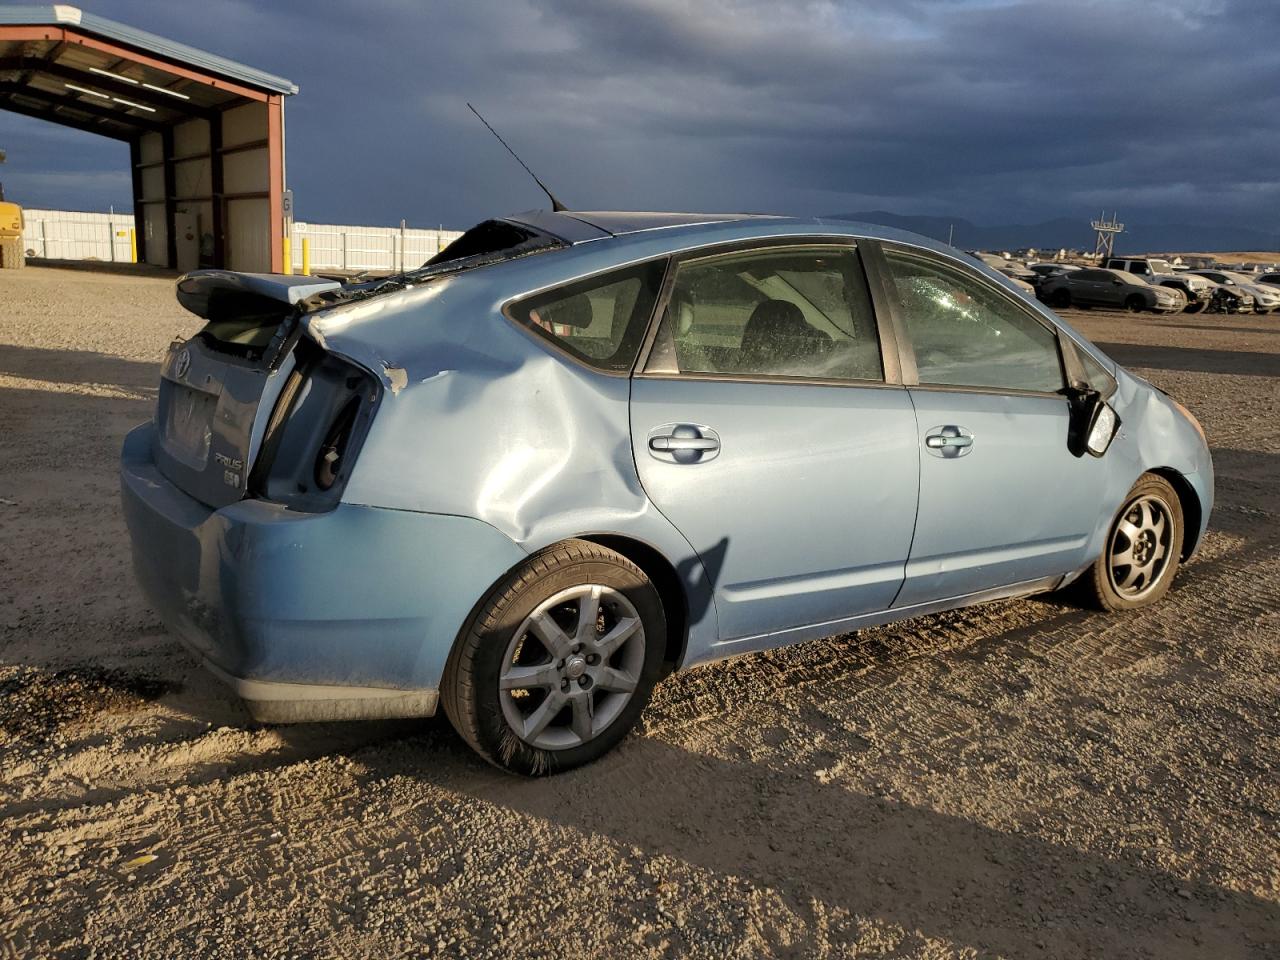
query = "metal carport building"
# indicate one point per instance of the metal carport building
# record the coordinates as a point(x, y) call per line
point(205, 134)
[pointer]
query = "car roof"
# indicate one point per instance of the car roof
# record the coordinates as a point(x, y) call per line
point(576, 226)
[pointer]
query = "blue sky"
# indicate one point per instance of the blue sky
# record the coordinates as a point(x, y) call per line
point(1015, 111)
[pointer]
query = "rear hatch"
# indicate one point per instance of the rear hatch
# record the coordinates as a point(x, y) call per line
point(218, 388)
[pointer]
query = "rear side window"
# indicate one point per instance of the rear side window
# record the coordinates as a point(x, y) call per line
point(601, 320)
point(965, 333)
point(794, 312)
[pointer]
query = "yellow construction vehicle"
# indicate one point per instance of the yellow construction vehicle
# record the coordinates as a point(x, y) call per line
point(11, 252)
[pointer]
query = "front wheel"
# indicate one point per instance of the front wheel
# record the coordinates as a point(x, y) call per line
point(1194, 307)
point(1143, 549)
point(558, 662)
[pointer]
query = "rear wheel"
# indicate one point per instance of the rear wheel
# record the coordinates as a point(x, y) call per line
point(558, 662)
point(1142, 551)
point(1134, 303)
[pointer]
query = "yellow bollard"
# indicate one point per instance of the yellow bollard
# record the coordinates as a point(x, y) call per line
point(133, 246)
point(306, 256)
point(288, 256)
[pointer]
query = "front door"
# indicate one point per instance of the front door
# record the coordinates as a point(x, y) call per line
point(763, 428)
point(1002, 499)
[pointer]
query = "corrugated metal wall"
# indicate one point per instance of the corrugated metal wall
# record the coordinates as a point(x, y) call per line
point(73, 235)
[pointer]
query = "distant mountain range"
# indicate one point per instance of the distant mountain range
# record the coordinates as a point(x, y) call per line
point(1074, 234)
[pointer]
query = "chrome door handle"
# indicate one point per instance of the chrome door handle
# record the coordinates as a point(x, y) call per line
point(683, 443)
point(938, 441)
point(948, 441)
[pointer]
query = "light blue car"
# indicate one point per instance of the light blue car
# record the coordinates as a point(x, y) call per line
point(577, 451)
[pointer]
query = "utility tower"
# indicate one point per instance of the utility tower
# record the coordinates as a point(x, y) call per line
point(1107, 230)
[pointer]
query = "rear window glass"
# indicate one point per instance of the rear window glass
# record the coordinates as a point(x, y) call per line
point(243, 323)
point(601, 320)
point(491, 242)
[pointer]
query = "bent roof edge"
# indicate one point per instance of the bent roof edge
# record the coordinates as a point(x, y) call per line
point(575, 226)
point(62, 15)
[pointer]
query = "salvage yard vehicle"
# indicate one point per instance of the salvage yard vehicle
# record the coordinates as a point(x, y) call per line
point(1010, 268)
point(576, 451)
point(1265, 299)
point(1100, 287)
point(1044, 271)
point(1197, 289)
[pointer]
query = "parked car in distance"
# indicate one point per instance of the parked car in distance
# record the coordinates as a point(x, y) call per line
point(1010, 268)
point(1100, 287)
point(1197, 290)
point(573, 453)
point(1051, 269)
point(1265, 299)
point(1045, 271)
point(1023, 286)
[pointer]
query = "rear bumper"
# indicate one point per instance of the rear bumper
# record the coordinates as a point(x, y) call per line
point(339, 615)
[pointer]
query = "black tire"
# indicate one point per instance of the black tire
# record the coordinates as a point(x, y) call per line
point(470, 690)
point(1102, 585)
point(1135, 303)
point(1060, 299)
point(1194, 307)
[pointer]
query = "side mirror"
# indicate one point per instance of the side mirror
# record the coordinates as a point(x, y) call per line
point(1093, 425)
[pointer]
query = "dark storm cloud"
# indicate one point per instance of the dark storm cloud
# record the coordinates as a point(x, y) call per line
point(993, 110)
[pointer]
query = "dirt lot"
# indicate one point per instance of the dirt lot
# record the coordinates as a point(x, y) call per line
point(1019, 779)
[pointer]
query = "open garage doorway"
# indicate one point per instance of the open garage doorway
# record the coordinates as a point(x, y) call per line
point(205, 135)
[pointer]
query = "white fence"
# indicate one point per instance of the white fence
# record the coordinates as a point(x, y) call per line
point(334, 247)
point(74, 235)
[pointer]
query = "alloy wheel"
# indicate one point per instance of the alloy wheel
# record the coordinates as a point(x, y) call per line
point(572, 666)
point(1139, 551)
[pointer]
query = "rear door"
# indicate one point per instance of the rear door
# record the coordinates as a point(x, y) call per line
point(765, 428)
point(1002, 499)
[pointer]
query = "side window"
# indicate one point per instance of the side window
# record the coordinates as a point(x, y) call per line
point(781, 312)
point(600, 320)
point(967, 334)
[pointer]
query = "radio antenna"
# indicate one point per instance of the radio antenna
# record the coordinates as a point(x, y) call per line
point(556, 205)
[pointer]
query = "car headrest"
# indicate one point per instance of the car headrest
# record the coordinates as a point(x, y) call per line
point(682, 312)
point(572, 311)
point(778, 318)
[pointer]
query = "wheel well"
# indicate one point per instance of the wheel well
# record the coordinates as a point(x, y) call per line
point(663, 576)
point(1192, 512)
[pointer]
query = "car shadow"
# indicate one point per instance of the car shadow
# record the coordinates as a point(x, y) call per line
point(944, 877)
point(79, 367)
point(1221, 328)
point(1193, 359)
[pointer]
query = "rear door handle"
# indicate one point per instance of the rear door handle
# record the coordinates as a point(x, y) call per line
point(684, 443)
point(948, 441)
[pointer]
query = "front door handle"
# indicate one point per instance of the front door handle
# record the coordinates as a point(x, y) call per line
point(684, 443)
point(948, 441)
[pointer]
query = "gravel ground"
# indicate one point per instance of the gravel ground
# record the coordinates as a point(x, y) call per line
point(1019, 779)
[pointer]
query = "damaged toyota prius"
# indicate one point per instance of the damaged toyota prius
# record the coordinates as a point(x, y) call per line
point(576, 452)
